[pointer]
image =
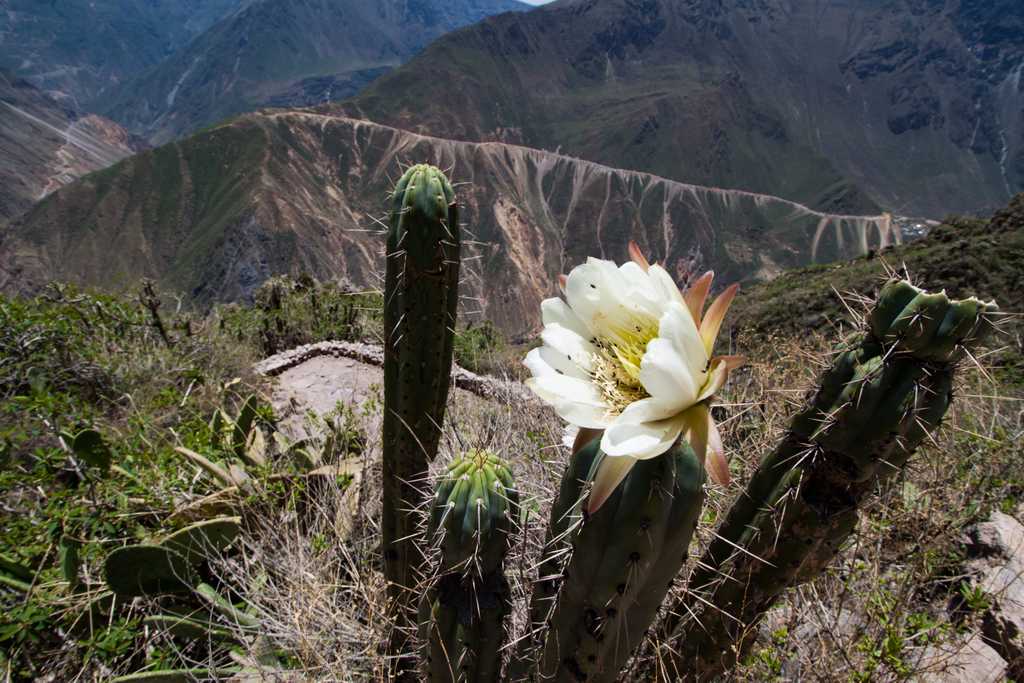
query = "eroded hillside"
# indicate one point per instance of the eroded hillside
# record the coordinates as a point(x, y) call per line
point(217, 214)
point(45, 145)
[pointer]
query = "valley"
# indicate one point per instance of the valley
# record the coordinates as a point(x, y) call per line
point(290, 192)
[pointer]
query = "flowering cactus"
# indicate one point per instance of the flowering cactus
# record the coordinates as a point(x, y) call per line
point(629, 354)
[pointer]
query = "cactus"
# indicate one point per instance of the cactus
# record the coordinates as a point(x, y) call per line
point(622, 563)
point(90, 447)
point(885, 392)
point(202, 540)
point(420, 299)
point(138, 570)
point(462, 615)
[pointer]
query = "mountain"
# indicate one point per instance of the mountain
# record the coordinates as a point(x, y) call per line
point(965, 257)
point(81, 48)
point(45, 145)
point(216, 214)
point(916, 106)
point(286, 53)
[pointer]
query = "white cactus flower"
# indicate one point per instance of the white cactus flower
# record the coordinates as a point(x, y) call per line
point(628, 354)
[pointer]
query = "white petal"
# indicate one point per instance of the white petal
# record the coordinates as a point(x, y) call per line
point(677, 326)
point(647, 410)
point(560, 362)
point(575, 400)
point(666, 376)
point(570, 345)
point(641, 440)
point(586, 290)
point(665, 285)
point(536, 364)
point(557, 311)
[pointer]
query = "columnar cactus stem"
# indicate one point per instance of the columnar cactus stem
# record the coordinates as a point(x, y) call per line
point(421, 296)
point(885, 392)
point(623, 560)
point(462, 615)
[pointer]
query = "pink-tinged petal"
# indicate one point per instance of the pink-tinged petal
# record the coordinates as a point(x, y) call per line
point(716, 463)
point(712, 322)
point(702, 434)
point(695, 431)
point(610, 473)
point(717, 378)
point(563, 280)
point(696, 294)
point(637, 256)
point(731, 362)
point(584, 436)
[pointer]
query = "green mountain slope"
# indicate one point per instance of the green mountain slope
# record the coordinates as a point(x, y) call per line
point(913, 105)
point(44, 145)
point(218, 213)
point(285, 53)
point(966, 257)
point(81, 48)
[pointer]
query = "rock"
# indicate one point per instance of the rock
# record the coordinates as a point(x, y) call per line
point(996, 548)
point(1001, 536)
point(972, 661)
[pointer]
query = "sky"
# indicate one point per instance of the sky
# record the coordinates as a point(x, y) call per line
point(536, 2)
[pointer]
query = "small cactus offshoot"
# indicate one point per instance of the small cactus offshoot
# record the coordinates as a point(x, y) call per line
point(462, 614)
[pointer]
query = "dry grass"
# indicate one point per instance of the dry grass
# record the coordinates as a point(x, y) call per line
point(311, 571)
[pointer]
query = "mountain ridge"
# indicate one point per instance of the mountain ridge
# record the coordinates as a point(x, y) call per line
point(914, 105)
point(45, 145)
point(285, 53)
point(289, 192)
point(80, 48)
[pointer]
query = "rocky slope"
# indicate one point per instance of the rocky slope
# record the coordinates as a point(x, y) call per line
point(216, 214)
point(913, 105)
point(286, 53)
point(44, 145)
point(81, 48)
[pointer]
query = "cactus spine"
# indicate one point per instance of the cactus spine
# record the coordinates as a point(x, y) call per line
point(884, 393)
point(623, 560)
point(420, 300)
point(462, 615)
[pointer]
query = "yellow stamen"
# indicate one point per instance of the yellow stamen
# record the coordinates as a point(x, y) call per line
point(616, 364)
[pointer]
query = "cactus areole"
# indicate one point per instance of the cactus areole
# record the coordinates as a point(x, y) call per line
point(420, 299)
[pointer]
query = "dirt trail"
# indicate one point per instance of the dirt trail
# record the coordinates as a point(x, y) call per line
point(316, 377)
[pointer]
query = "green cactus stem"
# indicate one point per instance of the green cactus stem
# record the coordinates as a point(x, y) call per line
point(887, 389)
point(140, 570)
point(204, 540)
point(420, 300)
point(462, 614)
point(189, 628)
point(623, 560)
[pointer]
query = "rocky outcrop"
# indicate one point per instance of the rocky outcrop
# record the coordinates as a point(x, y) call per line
point(996, 565)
